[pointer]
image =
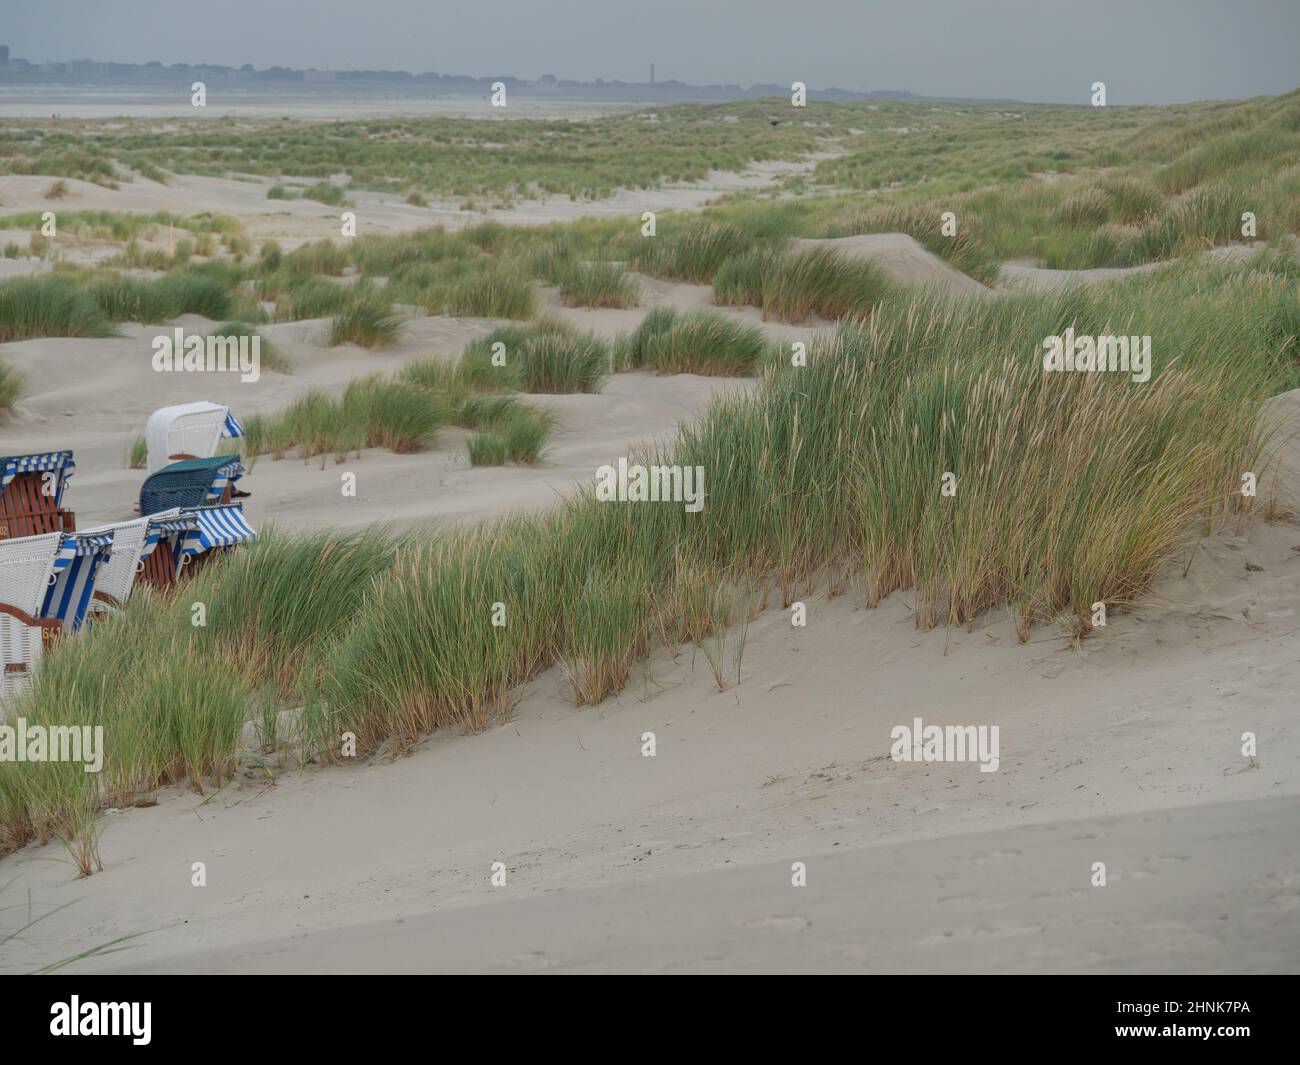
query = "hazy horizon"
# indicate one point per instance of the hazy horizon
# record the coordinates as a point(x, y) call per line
point(1046, 51)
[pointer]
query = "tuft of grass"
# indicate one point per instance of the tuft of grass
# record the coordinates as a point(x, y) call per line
point(597, 285)
point(701, 342)
point(372, 412)
point(50, 306)
point(11, 388)
point(367, 319)
point(393, 416)
point(271, 356)
point(499, 292)
point(297, 298)
point(324, 192)
point(694, 251)
point(795, 285)
point(539, 358)
point(124, 299)
point(508, 430)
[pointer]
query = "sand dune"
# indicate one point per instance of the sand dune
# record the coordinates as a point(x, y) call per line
point(904, 260)
point(94, 396)
point(1124, 749)
point(295, 222)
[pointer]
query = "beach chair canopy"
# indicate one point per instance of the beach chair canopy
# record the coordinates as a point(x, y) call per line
point(188, 429)
point(81, 558)
point(57, 463)
point(219, 526)
point(190, 483)
point(31, 492)
point(170, 525)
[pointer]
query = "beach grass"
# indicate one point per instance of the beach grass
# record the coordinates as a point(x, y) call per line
point(922, 450)
point(585, 284)
point(12, 384)
point(49, 306)
point(366, 319)
point(540, 357)
point(699, 342)
point(795, 285)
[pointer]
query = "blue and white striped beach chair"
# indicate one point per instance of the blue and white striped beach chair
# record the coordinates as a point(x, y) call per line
point(189, 536)
point(135, 544)
point(190, 483)
point(82, 557)
point(160, 559)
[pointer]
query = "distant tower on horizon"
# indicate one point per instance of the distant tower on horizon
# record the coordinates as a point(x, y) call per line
point(652, 73)
point(4, 57)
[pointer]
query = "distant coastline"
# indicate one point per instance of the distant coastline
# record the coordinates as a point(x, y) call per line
point(88, 73)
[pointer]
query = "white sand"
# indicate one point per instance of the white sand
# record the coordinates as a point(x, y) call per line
point(903, 259)
point(295, 222)
point(1124, 750)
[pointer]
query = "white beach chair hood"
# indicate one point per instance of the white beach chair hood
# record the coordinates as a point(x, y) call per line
point(188, 429)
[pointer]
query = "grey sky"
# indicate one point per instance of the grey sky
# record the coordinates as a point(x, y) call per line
point(1146, 51)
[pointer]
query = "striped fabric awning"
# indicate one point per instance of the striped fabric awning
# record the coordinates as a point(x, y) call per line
point(12, 465)
point(73, 581)
point(228, 474)
point(177, 525)
point(78, 545)
point(232, 429)
point(218, 527)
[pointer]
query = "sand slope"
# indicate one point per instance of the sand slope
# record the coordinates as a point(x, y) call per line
point(94, 396)
point(903, 259)
point(1124, 750)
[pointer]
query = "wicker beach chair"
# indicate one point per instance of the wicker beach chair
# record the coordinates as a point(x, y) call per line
point(31, 494)
point(135, 544)
point(188, 431)
point(190, 483)
point(82, 558)
point(26, 566)
point(160, 561)
point(189, 538)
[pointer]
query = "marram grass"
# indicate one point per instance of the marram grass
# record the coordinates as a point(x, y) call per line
point(1070, 489)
